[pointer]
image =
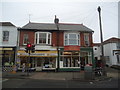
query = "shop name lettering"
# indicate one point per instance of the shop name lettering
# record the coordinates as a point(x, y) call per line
point(39, 54)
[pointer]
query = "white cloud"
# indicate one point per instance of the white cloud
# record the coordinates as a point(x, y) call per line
point(59, 0)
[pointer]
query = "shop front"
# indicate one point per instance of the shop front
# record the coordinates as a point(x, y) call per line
point(7, 55)
point(40, 60)
point(73, 58)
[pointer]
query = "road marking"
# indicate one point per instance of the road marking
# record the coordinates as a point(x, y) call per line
point(3, 80)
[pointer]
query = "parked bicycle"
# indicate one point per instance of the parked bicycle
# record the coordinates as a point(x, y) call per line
point(98, 71)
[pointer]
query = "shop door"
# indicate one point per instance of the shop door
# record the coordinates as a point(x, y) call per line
point(49, 63)
point(39, 64)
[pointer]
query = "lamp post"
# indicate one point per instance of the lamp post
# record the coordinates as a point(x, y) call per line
point(102, 48)
point(56, 21)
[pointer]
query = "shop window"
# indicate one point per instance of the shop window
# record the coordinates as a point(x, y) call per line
point(25, 39)
point(86, 58)
point(71, 39)
point(43, 38)
point(8, 57)
point(5, 35)
point(49, 63)
point(70, 59)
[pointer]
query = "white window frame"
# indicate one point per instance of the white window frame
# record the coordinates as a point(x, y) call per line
point(78, 40)
point(6, 40)
point(24, 38)
point(47, 33)
point(88, 40)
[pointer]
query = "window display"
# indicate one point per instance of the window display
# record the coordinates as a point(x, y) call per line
point(70, 59)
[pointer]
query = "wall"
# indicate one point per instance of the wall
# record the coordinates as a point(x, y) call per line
point(97, 52)
point(54, 38)
point(108, 51)
point(82, 39)
point(61, 35)
point(31, 36)
point(12, 36)
point(0, 35)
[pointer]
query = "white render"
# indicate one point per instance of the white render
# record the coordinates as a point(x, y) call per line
point(12, 42)
point(108, 51)
point(110, 57)
point(97, 52)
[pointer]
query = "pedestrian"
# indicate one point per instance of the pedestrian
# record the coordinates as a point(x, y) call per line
point(17, 66)
point(23, 67)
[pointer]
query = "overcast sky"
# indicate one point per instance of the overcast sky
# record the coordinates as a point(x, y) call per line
point(68, 11)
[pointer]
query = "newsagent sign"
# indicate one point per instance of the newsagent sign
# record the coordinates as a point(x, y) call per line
point(38, 53)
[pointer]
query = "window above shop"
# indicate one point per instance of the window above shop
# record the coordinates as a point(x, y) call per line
point(5, 36)
point(86, 39)
point(43, 38)
point(71, 39)
point(25, 39)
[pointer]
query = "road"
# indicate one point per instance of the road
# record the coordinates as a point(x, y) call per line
point(35, 83)
point(55, 80)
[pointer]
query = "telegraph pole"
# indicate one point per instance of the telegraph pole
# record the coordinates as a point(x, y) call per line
point(102, 48)
point(56, 21)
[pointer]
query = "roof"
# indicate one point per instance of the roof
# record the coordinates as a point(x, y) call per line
point(6, 24)
point(52, 26)
point(96, 44)
point(112, 40)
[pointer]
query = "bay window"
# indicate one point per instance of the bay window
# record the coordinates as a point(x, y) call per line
point(72, 39)
point(43, 38)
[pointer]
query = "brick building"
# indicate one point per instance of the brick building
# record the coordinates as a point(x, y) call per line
point(65, 49)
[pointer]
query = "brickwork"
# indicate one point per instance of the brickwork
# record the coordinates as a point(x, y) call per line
point(31, 36)
point(54, 39)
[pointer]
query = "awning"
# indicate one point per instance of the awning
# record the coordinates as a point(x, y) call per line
point(38, 54)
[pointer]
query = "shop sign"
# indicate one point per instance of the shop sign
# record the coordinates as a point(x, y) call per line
point(71, 48)
point(6, 48)
point(43, 54)
point(37, 54)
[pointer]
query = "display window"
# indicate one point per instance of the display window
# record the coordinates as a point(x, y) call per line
point(42, 62)
point(70, 59)
point(8, 57)
point(75, 59)
point(49, 62)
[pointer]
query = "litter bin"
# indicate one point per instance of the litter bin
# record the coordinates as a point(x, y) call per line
point(88, 73)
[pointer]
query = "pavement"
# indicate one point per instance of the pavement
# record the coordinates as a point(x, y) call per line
point(58, 75)
point(111, 73)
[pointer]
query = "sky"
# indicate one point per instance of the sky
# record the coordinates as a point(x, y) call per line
point(19, 12)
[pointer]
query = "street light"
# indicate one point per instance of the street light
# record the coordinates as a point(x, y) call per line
point(102, 48)
point(56, 21)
